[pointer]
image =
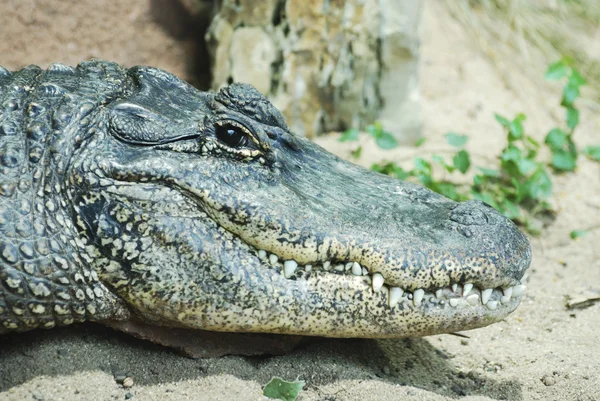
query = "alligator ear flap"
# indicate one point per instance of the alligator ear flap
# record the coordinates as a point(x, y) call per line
point(134, 124)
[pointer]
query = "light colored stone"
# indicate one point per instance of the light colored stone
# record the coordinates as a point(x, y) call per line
point(326, 65)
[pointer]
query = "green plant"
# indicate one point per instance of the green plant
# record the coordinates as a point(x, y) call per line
point(560, 142)
point(520, 185)
point(280, 389)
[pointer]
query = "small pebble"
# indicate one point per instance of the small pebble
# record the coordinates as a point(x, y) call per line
point(549, 380)
point(128, 382)
point(128, 396)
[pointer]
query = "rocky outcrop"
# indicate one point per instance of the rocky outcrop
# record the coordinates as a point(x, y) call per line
point(328, 65)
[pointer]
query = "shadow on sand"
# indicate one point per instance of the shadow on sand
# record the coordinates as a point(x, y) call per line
point(92, 347)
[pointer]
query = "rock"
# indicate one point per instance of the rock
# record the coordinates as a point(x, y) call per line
point(326, 65)
point(549, 380)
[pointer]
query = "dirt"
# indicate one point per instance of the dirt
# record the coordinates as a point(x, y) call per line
point(541, 352)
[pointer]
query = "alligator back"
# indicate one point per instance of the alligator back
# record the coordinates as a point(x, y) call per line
point(44, 116)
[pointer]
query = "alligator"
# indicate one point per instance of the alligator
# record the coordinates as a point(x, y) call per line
point(127, 195)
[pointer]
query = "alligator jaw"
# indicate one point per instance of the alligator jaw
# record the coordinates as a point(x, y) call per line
point(276, 235)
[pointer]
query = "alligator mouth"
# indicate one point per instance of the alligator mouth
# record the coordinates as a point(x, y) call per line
point(454, 295)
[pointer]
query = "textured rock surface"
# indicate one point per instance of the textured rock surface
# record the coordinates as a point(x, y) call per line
point(328, 65)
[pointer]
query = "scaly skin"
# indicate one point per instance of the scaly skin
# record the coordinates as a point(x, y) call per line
point(128, 194)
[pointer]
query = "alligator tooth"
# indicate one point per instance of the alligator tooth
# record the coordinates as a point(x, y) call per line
point(473, 299)
point(418, 296)
point(308, 268)
point(377, 282)
point(453, 302)
point(356, 269)
point(326, 265)
point(524, 278)
point(438, 293)
point(518, 290)
point(486, 294)
point(507, 295)
point(262, 254)
point(348, 266)
point(492, 305)
point(365, 271)
point(339, 267)
point(454, 287)
point(395, 296)
point(289, 268)
point(273, 259)
point(466, 289)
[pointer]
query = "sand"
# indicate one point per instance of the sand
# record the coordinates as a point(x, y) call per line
point(541, 352)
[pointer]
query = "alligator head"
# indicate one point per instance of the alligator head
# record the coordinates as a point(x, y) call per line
point(203, 210)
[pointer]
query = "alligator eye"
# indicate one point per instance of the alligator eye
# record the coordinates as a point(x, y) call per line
point(231, 135)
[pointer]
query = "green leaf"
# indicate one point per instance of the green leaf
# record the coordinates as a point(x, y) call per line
point(375, 129)
point(449, 190)
point(488, 172)
point(539, 186)
point(279, 389)
point(487, 198)
point(420, 142)
point(515, 127)
point(532, 141)
point(576, 79)
point(422, 164)
point(563, 160)
point(556, 70)
point(525, 166)
point(570, 93)
point(556, 139)
point(510, 210)
point(462, 161)
point(578, 233)
point(349, 135)
point(385, 140)
point(572, 117)
point(356, 153)
point(511, 153)
point(502, 120)
point(456, 140)
point(593, 152)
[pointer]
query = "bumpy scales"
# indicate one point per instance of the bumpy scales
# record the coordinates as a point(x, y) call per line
point(130, 195)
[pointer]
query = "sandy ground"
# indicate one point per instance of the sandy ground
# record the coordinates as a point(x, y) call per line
point(541, 352)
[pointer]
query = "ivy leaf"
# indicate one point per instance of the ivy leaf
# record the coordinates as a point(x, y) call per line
point(570, 93)
point(515, 128)
point(539, 186)
point(556, 70)
point(488, 172)
point(462, 161)
point(593, 152)
point(556, 139)
point(386, 140)
point(456, 140)
point(349, 135)
point(572, 117)
point(563, 160)
point(422, 164)
point(356, 153)
point(525, 165)
point(576, 79)
point(577, 233)
point(510, 210)
point(420, 142)
point(279, 389)
point(502, 120)
point(533, 142)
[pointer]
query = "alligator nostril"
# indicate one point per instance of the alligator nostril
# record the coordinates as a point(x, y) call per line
point(471, 213)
